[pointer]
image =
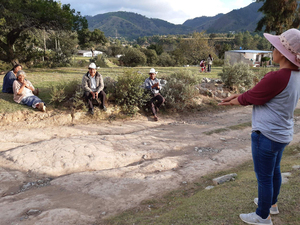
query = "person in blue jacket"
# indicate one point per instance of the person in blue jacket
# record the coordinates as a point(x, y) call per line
point(9, 79)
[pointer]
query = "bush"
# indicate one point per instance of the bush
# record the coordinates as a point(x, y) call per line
point(165, 60)
point(133, 57)
point(64, 91)
point(238, 75)
point(180, 90)
point(129, 93)
point(218, 62)
point(99, 60)
point(114, 61)
point(110, 88)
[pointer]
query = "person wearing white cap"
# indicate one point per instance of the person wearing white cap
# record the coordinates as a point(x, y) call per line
point(153, 84)
point(274, 100)
point(92, 84)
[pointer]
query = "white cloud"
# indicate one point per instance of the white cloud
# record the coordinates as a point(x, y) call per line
point(173, 11)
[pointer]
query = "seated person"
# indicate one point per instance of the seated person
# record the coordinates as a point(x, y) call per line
point(202, 65)
point(153, 84)
point(92, 84)
point(23, 92)
point(9, 79)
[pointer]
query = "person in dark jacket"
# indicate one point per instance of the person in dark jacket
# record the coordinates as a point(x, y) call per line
point(92, 84)
point(9, 79)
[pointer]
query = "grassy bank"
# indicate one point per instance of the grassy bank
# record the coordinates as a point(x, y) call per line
point(45, 79)
point(193, 204)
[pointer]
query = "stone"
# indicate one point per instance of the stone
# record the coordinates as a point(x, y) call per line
point(296, 167)
point(33, 212)
point(284, 177)
point(223, 179)
point(209, 187)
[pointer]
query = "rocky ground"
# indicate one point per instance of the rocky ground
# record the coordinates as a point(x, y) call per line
point(58, 169)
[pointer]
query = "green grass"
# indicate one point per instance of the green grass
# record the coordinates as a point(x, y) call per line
point(45, 78)
point(235, 127)
point(192, 204)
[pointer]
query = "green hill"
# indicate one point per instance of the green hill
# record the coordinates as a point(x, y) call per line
point(132, 25)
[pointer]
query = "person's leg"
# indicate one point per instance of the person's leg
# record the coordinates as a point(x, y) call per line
point(264, 153)
point(152, 106)
point(101, 97)
point(160, 100)
point(277, 177)
point(31, 101)
point(88, 97)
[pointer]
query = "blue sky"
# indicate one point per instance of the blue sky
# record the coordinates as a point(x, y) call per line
point(173, 11)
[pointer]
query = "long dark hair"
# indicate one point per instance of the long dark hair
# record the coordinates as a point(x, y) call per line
point(210, 57)
point(15, 66)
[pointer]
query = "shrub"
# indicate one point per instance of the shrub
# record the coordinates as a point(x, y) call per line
point(180, 90)
point(99, 60)
point(114, 61)
point(129, 92)
point(133, 57)
point(238, 75)
point(63, 91)
point(218, 62)
point(110, 88)
point(262, 71)
point(165, 60)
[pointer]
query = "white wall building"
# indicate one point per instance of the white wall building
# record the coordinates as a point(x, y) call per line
point(87, 53)
point(251, 57)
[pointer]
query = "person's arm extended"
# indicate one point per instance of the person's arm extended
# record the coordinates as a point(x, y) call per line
point(232, 100)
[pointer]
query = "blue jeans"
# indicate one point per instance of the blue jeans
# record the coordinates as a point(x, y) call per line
point(266, 156)
point(31, 101)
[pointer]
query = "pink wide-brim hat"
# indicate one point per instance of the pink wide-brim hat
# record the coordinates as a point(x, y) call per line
point(288, 44)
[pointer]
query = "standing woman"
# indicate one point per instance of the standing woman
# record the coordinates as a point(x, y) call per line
point(209, 63)
point(274, 100)
point(23, 92)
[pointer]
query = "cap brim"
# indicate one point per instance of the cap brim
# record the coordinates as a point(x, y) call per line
point(275, 41)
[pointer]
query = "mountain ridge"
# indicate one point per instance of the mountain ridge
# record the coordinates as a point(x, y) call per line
point(133, 25)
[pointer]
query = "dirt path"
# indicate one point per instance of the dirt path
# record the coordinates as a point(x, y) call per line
point(80, 173)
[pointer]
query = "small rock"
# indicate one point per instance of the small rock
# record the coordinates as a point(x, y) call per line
point(33, 212)
point(209, 187)
point(284, 177)
point(222, 179)
point(296, 167)
point(184, 182)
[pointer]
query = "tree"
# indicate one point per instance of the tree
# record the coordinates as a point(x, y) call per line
point(151, 56)
point(279, 15)
point(19, 16)
point(133, 57)
point(88, 39)
point(158, 48)
point(196, 48)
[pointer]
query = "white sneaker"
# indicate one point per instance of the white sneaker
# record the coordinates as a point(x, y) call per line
point(273, 210)
point(253, 218)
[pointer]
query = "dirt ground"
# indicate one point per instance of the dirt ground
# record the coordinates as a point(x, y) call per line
point(62, 169)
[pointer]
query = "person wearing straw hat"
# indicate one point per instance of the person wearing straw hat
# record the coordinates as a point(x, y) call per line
point(92, 84)
point(153, 84)
point(274, 100)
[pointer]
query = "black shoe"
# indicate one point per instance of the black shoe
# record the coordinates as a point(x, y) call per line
point(103, 108)
point(91, 111)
